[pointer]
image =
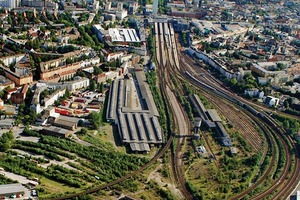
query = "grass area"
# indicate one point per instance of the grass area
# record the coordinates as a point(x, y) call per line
point(220, 180)
point(52, 187)
point(102, 161)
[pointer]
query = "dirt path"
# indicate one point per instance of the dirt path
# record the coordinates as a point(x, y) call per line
point(155, 175)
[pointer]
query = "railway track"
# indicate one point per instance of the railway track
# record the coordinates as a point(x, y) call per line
point(279, 183)
point(282, 187)
point(285, 187)
point(225, 88)
point(250, 134)
point(270, 140)
point(166, 48)
point(132, 174)
point(154, 159)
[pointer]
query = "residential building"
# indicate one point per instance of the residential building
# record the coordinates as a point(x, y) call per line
point(6, 83)
point(8, 60)
point(121, 14)
point(50, 99)
point(16, 78)
point(35, 102)
point(76, 84)
point(63, 72)
point(294, 69)
point(19, 97)
point(263, 69)
point(254, 92)
point(40, 5)
point(10, 4)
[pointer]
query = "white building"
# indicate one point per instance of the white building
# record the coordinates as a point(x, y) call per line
point(271, 101)
point(215, 62)
point(53, 97)
point(12, 59)
point(254, 92)
point(121, 14)
point(110, 56)
point(11, 4)
point(78, 83)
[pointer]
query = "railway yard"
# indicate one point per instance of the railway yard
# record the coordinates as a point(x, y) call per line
point(266, 165)
point(260, 131)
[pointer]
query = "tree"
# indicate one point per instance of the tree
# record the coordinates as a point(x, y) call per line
point(101, 87)
point(92, 85)
point(280, 66)
point(80, 122)
point(97, 70)
point(95, 118)
point(2, 112)
point(286, 124)
point(233, 82)
point(1, 94)
point(67, 93)
point(6, 141)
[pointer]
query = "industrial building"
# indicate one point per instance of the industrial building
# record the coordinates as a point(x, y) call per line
point(132, 109)
point(119, 35)
point(65, 122)
point(55, 131)
point(211, 119)
point(8, 191)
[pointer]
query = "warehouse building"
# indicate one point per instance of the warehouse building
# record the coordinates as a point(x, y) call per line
point(65, 122)
point(132, 109)
point(201, 110)
point(211, 119)
point(8, 191)
point(55, 131)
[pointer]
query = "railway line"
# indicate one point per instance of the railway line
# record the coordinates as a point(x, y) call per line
point(181, 125)
point(132, 174)
point(247, 130)
point(276, 133)
point(272, 132)
point(213, 80)
point(162, 61)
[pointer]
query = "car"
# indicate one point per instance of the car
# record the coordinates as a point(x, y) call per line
point(34, 193)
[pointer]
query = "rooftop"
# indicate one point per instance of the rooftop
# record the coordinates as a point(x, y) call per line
point(11, 188)
point(214, 115)
point(56, 130)
point(123, 35)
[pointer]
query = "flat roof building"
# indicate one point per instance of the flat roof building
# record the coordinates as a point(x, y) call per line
point(214, 115)
point(56, 131)
point(6, 191)
point(123, 35)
